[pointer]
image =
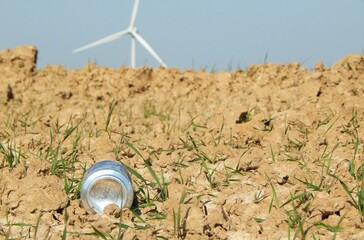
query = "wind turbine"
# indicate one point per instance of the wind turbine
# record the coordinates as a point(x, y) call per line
point(135, 37)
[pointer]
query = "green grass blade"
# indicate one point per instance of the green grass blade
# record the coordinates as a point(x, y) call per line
point(361, 196)
point(111, 110)
point(98, 233)
point(162, 187)
point(274, 197)
point(293, 198)
point(272, 154)
point(64, 235)
point(310, 185)
point(259, 220)
point(22, 224)
point(135, 173)
point(349, 193)
point(37, 226)
point(68, 132)
point(330, 228)
point(183, 196)
point(130, 145)
point(174, 222)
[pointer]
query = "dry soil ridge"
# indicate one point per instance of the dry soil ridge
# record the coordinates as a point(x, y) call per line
point(275, 124)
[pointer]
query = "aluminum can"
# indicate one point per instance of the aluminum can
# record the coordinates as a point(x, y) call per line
point(106, 182)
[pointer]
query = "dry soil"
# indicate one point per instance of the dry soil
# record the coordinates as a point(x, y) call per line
point(270, 152)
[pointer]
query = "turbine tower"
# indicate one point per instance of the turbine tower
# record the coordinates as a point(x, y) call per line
point(135, 37)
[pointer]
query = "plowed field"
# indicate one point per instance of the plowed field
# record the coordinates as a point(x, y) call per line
point(269, 152)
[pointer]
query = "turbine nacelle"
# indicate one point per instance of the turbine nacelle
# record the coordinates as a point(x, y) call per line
point(132, 29)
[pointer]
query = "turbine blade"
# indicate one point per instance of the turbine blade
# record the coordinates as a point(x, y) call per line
point(134, 13)
point(109, 38)
point(147, 47)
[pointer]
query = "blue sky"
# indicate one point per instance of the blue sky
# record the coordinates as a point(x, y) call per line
point(189, 34)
